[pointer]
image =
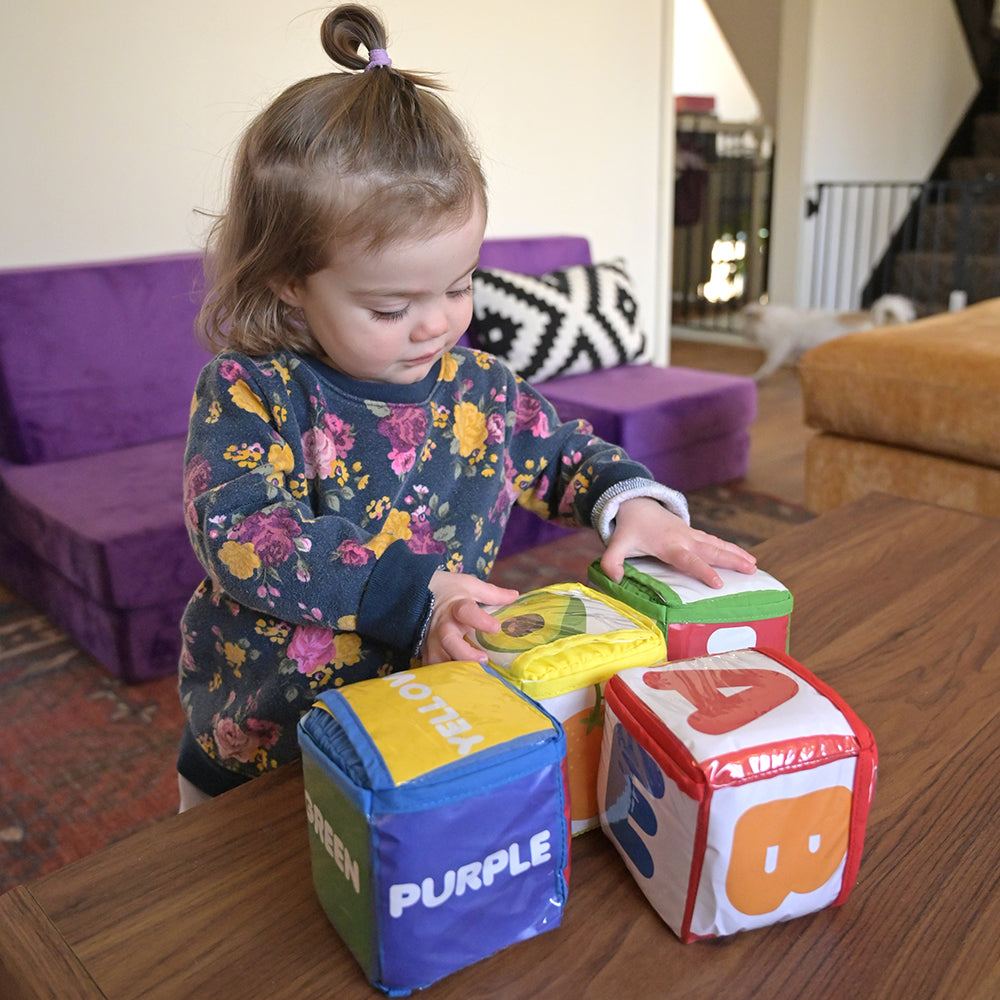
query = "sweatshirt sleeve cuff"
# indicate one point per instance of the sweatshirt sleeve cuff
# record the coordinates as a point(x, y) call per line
point(606, 509)
point(397, 603)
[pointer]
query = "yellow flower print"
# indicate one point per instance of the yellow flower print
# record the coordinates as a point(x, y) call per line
point(235, 655)
point(483, 360)
point(280, 415)
point(214, 412)
point(246, 399)
point(247, 456)
point(275, 631)
point(376, 508)
point(240, 558)
point(348, 649)
point(347, 622)
point(298, 486)
point(397, 526)
point(282, 371)
point(194, 406)
point(470, 430)
point(449, 368)
point(216, 682)
point(280, 456)
point(441, 416)
point(363, 482)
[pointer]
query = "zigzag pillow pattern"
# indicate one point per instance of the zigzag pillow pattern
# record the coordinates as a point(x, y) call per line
point(566, 322)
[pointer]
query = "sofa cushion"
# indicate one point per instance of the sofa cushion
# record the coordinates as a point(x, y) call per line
point(96, 356)
point(111, 523)
point(652, 411)
point(577, 319)
point(841, 469)
point(930, 385)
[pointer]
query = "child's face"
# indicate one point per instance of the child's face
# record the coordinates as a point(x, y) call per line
point(389, 316)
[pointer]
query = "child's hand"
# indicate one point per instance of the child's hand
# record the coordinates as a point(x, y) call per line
point(457, 614)
point(644, 527)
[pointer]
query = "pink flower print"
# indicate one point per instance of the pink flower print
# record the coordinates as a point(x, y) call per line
point(243, 741)
point(197, 477)
point(402, 461)
point(530, 416)
point(508, 494)
point(496, 428)
point(352, 553)
point(319, 453)
point(231, 371)
point(312, 647)
point(340, 434)
point(406, 429)
point(272, 535)
point(422, 540)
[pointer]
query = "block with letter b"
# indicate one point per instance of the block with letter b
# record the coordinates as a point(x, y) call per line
point(736, 788)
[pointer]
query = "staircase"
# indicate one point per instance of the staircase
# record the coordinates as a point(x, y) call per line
point(947, 250)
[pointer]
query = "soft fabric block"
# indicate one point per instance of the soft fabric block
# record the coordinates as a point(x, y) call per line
point(576, 319)
point(437, 819)
point(736, 788)
point(748, 610)
point(931, 385)
point(560, 644)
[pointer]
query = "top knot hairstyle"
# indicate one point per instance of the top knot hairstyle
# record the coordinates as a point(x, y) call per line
point(347, 161)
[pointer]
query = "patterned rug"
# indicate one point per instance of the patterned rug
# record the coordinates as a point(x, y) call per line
point(86, 760)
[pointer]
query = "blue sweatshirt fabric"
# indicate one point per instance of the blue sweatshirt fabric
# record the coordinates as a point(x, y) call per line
point(320, 507)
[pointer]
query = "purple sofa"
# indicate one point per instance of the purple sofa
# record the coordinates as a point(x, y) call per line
point(97, 366)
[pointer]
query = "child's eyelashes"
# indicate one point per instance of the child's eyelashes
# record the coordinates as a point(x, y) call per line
point(394, 315)
point(390, 317)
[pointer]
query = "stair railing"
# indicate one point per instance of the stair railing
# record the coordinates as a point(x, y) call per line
point(722, 215)
point(935, 242)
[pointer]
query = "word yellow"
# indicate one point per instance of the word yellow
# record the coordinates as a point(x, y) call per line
point(332, 844)
point(448, 723)
point(472, 876)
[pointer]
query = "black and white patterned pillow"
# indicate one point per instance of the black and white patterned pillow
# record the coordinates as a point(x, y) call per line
point(578, 319)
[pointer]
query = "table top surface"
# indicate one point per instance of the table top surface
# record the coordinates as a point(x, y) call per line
point(896, 607)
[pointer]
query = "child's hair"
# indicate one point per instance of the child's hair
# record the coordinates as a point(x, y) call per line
point(345, 160)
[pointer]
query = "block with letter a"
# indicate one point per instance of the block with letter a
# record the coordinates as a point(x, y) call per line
point(736, 788)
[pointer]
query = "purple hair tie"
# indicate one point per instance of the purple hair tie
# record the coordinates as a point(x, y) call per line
point(378, 57)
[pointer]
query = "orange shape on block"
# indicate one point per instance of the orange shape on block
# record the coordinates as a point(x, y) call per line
point(785, 846)
point(584, 733)
point(717, 712)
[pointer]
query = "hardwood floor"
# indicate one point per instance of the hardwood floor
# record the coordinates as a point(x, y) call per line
point(778, 436)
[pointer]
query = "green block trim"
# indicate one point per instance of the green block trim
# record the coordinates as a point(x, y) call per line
point(340, 847)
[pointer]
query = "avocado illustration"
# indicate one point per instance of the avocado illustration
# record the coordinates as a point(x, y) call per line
point(534, 619)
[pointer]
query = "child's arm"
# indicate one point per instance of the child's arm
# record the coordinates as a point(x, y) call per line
point(457, 613)
point(643, 527)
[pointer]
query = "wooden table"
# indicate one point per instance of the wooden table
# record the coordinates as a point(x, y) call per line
point(897, 605)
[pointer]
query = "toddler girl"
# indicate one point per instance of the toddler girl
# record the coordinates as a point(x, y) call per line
point(349, 470)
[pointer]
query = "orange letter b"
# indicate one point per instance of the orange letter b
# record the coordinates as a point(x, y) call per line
point(789, 845)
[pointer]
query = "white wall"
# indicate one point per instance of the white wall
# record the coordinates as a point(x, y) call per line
point(867, 91)
point(704, 64)
point(118, 116)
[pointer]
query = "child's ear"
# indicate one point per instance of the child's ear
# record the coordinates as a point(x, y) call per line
point(289, 290)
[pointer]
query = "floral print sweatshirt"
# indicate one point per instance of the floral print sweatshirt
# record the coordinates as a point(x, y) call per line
point(320, 507)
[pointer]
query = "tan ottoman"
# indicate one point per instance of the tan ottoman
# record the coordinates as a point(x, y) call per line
point(912, 410)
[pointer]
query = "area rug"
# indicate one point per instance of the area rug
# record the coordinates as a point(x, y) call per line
point(86, 760)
